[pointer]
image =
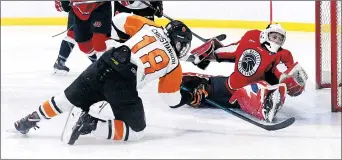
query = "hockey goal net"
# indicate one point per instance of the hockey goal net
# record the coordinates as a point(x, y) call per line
point(328, 50)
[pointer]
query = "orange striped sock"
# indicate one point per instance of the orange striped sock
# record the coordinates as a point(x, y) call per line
point(49, 109)
point(118, 130)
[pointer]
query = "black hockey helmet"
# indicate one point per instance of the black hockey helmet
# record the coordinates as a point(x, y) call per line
point(180, 36)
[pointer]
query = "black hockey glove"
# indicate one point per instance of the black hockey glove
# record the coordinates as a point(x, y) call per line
point(158, 5)
point(198, 96)
point(62, 6)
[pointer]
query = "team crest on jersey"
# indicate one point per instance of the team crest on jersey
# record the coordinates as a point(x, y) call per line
point(249, 62)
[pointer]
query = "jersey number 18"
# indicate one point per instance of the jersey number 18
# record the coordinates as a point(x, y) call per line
point(157, 59)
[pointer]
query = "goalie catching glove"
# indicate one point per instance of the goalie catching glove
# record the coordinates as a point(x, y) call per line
point(295, 78)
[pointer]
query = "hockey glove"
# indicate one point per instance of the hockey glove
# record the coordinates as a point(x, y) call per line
point(198, 96)
point(294, 78)
point(62, 6)
point(158, 5)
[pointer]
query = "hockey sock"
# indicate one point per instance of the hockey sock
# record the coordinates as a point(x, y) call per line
point(48, 109)
point(65, 50)
point(55, 106)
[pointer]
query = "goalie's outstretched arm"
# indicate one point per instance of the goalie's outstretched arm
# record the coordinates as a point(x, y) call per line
point(226, 53)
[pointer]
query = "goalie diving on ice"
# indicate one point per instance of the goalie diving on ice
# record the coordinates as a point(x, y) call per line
point(256, 85)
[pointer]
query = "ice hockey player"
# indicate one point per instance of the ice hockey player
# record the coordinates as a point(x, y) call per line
point(68, 43)
point(256, 85)
point(151, 52)
point(91, 28)
point(138, 8)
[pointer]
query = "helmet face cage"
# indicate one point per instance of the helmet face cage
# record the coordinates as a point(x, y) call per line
point(182, 49)
point(273, 43)
point(180, 36)
point(276, 38)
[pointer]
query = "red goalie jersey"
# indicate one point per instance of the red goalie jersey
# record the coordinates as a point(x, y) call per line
point(256, 85)
point(252, 61)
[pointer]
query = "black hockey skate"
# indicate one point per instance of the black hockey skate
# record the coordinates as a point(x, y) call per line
point(85, 124)
point(272, 105)
point(60, 68)
point(28, 122)
point(92, 58)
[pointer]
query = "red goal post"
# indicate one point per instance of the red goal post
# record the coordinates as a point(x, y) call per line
point(328, 50)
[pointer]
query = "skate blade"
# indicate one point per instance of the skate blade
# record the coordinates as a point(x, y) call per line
point(59, 72)
point(12, 130)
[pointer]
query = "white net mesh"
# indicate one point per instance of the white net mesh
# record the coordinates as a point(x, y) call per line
point(339, 54)
point(325, 42)
point(325, 48)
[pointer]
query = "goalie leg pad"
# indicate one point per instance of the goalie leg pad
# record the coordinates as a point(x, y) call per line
point(260, 99)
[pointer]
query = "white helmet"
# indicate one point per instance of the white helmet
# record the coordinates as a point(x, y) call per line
point(265, 40)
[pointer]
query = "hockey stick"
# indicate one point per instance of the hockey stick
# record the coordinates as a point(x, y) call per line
point(62, 32)
point(265, 125)
point(84, 2)
point(74, 4)
point(220, 37)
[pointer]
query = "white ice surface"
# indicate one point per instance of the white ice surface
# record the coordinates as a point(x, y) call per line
point(27, 57)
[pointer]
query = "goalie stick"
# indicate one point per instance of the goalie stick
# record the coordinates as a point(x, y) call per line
point(262, 124)
point(240, 114)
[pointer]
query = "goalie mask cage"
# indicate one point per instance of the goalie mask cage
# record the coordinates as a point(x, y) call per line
point(328, 50)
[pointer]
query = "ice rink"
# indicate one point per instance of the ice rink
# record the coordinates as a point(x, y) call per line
point(27, 57)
